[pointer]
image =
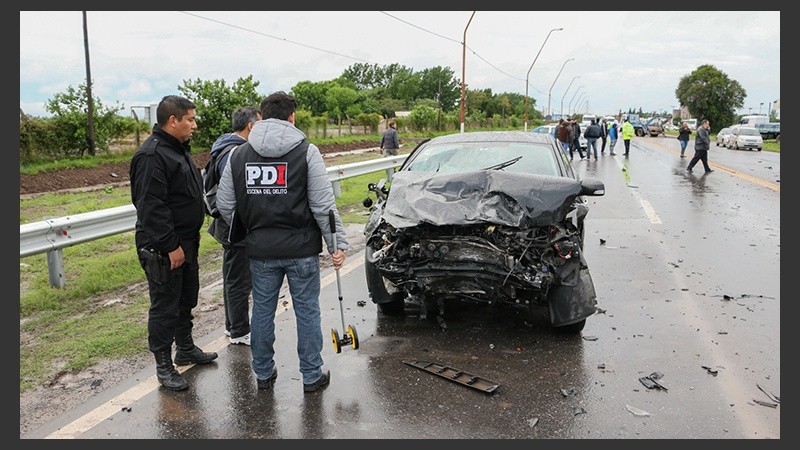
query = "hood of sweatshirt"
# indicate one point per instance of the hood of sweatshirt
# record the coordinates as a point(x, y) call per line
point(274, 137)
point(225, 140)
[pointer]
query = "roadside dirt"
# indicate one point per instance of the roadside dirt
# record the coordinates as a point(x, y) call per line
point(112, 174)
point(67, 389)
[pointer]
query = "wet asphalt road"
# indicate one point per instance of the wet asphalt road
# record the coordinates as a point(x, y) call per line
point(686, 269)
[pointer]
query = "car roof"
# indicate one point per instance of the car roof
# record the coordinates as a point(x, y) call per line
point(492, 136)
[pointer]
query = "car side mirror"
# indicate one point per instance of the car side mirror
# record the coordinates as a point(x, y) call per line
point(593, 187)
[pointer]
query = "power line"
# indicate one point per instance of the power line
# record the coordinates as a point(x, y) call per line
point(348, 56)
point(275, 37)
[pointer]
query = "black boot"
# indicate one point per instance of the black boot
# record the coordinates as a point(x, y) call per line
point(188, 353)
point(165, 370)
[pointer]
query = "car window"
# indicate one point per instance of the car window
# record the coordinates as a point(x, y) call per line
point(516, 157)
point(749, 132)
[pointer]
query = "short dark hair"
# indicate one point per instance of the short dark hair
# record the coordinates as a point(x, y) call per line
point(243, 116)
point(278, 105)
point(172, 105)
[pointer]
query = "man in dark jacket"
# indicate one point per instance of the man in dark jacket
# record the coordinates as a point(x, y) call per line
point(236, 279)
point(563, 132)
point(277, 186)
point(390, 143)
point(576, 138)
point(592, 133)
point(603, 135)
point(701, 145)
point(167, 192)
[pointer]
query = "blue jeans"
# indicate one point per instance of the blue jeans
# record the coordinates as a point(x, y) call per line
point(591, 143)
point(566, 147)
point(303, 277)
point(683, 146)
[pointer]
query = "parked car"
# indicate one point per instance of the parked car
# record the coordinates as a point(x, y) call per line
point(492, 218)
point(722, 137)
point(545, 129)
point(745, 137)
point(769, 130)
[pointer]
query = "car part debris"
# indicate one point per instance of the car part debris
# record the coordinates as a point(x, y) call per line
point(650, 381)
point(763, 403)
point(458, 376)
point(571, 392)
point(636, 411)
point(710, 370)
point(773, 397)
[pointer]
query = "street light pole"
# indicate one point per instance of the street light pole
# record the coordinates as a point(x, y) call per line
point(577, 103)
point(549, 112)
point(529, 72)
point(561, 111)
point(569, 108)
point(464, 69)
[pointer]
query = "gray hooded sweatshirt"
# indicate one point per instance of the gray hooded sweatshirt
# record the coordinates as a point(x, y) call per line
point(274, 138)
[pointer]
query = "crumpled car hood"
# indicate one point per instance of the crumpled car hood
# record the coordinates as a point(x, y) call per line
point(485, 196)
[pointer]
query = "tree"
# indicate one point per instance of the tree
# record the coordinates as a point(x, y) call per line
point(439, 83)
point(69, 110)
point(338, 100)
point(710, 94)
point(215, 102)
point(422, 117)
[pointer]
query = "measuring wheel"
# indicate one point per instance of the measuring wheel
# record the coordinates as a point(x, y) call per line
point(353, 337)
point(337, 343)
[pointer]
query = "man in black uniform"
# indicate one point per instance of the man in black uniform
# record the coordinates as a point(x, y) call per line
point(167, 191)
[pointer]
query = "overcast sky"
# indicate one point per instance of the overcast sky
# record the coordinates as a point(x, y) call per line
point(622, 59)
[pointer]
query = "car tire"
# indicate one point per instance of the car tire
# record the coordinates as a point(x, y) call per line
point(389, 304)
point(572, 328)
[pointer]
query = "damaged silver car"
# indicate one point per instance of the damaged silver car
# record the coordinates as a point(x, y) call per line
point(492, 218)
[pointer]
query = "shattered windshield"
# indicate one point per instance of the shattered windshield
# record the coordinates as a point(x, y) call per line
point(514, 157)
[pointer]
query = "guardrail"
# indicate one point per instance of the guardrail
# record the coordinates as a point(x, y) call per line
point(52, 235)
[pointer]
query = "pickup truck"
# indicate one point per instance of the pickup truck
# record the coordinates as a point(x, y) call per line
point(654, 126)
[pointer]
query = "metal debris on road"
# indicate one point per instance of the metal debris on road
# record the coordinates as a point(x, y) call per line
point(650, 381)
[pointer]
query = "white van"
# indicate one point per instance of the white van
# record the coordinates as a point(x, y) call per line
point(692, 123)
point(753, 120)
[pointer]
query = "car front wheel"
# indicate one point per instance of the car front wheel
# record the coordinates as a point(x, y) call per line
point(572, 328)
point(390, 304)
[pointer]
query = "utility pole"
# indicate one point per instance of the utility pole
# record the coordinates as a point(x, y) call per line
point(464, 69)
point(90, 108)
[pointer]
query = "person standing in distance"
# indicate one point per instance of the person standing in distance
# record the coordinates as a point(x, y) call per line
point(390, 143)
point(603, 135)
point(592, 133)
point(683, 137)
point(277, 186)
point(613, 136)
point(701, 145)
point(563, 131)
point(236, 279)
point(627, 134)
point(576, 138)
point(167, 192)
